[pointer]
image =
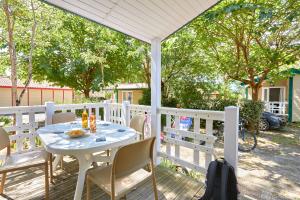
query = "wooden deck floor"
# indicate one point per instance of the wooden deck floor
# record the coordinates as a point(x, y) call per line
point(29, 185)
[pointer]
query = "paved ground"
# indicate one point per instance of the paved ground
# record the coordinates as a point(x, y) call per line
point(272, 170)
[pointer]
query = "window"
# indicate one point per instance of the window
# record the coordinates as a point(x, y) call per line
point(127, 96)
point(265, 94)
point(271, 94)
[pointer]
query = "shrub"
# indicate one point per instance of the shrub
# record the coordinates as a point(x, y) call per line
point(5, 120)
point(251, 111)
point(146, 98)
point(88, 100)
point(167, 102)
point(220, 104)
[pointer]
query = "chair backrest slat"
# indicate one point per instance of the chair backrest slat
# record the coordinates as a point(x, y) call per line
point(138, 123)
point(63, 117)
point(133, 157)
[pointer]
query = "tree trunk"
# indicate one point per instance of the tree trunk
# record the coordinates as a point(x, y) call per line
point(12, 50)
point(86, 93)
point(32, 46)
point(255, 91)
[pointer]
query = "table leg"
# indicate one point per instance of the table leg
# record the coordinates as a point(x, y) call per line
point(84, 164)
point(56, 161)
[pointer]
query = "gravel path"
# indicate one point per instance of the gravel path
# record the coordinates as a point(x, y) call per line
point(272, 170)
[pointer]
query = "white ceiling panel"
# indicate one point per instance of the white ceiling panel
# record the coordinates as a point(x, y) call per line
point(142, 19)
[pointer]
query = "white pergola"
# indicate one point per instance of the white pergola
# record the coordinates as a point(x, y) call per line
point(151, 21)
point(146, 20)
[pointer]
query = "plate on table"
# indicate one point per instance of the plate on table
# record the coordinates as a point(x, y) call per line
point(105, 124)
point(75, 133)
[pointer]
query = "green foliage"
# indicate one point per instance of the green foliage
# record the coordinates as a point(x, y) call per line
point(70, 51)
point(250, 40)
point(87, 100)
point(203, 93)
point(83, 55)
point(220, 104)
point(167, 102)
point(5, 120)
point(170, 102)
point(251, 111)
point(242, 40)
point(191, 173)
point(146, 98)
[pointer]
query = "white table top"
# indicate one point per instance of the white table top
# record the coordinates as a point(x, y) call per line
point(56, 141)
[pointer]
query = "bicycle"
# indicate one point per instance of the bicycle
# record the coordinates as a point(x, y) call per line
point(247, 140)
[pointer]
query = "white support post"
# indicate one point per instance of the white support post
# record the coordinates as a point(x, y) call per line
point(231, 135)
point(125, 113)
point(156, 93)
point(106, 110)
point(50, 109)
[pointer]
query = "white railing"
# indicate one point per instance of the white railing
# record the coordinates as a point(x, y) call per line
point(277, 107)
point(23, 137)
point(198, 138)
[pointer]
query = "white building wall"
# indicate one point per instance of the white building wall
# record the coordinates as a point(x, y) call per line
point(296, 98)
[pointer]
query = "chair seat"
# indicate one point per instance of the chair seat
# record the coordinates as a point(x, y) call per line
point(23, 160)
point(101, 176)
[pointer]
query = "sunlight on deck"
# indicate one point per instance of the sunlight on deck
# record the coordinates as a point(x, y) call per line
point(29, 184)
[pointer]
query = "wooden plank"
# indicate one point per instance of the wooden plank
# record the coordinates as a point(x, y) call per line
point(177, 147)
point(209, 132)
point(191, 134)
point(133, 107)
point(198, 147)
point(169, 123)
point(203, 114)
point(21, 109)
point(22, 136)
point(29, 185)
point(197, 133)
point(21, 127)
point(19, 123)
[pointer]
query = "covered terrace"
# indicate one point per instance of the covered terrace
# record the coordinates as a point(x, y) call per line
point(151, 21)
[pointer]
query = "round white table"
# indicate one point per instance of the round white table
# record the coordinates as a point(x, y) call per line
point(57, 142)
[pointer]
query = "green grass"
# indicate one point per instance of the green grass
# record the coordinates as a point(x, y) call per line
point(288, 136)
point(286, 140)
point(294, 125)
point(191, 173)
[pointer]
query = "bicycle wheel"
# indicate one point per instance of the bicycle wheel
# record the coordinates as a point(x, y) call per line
point(247, 141)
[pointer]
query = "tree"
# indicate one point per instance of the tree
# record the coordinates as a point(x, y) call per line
point(183, 71)
point(182, 63)
point(250, 41)
point(140, 53)
point(83, 55)
point(14, 11)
